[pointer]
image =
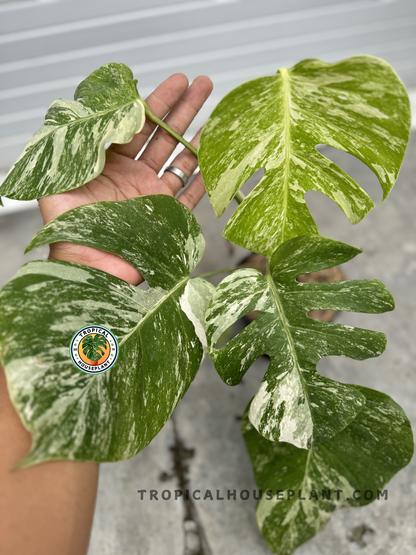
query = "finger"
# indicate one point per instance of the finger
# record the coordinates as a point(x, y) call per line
point(193, 194)
point(160, 102)
point(162, 144)
point(185, 161)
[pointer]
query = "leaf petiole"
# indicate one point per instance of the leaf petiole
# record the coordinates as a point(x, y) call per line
point(169, 130)
point(239, 197)
point(213, 273)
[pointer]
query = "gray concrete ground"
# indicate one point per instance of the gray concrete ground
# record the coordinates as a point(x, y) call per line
point(201, 446)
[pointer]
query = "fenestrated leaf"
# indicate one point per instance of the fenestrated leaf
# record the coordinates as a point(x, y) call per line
point(357, 463)
point(68, 150)
point(358, 105)
point(294, 403)
point(113, 415)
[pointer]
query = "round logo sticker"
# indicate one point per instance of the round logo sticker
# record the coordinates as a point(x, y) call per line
point(94, 349)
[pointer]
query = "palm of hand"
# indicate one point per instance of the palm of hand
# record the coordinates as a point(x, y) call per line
point(123, 177)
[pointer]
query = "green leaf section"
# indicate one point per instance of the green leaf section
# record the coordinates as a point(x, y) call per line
point(69, 149)
point(352, 469)
point(110, 416)
point(295, 404)
point(358, 105)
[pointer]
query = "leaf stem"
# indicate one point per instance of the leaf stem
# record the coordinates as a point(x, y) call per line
point(239, 197)
point(169, 130)
point(213, 273)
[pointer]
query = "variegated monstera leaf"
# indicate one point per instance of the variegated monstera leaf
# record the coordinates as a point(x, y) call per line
point(110, 416)
point(300, 489)
point(295, 404)
point(358, 105)
point(69, 148)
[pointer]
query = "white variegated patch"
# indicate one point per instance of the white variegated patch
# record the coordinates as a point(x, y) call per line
point(194, 302)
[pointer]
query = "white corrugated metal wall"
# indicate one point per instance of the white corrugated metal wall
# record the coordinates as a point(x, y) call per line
point(48, 46)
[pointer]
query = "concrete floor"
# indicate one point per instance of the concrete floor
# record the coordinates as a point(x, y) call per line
point(201, 446)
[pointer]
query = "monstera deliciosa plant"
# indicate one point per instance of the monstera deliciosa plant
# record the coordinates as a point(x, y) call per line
point(303, 431)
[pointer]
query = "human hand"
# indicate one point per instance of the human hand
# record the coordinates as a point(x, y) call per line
point(124, 177)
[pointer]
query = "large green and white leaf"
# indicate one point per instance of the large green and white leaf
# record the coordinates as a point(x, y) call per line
point(69, 149)
point(358, 463)
point(358, 105)
point(109, 416)
point(295, 404)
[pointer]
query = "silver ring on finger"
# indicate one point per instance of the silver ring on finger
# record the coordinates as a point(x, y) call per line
point(179, 173)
